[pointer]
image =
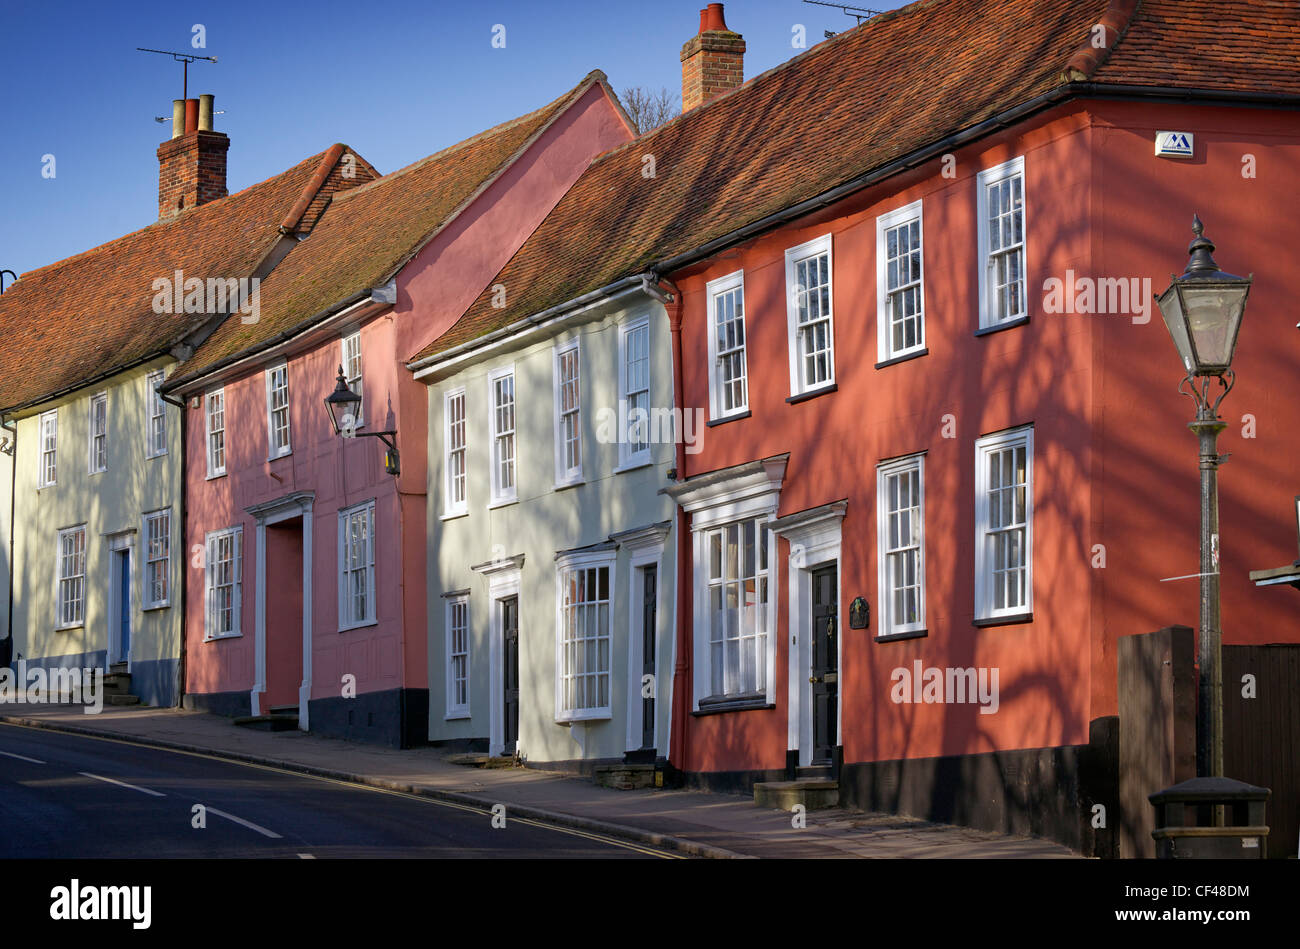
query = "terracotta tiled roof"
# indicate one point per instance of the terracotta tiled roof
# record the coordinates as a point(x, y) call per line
point(369, 233)
point(1249, 45)
point(871, 95)
point(89, 315)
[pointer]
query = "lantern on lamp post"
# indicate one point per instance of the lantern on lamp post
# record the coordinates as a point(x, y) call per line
point(1202, 310)
point(345, 407)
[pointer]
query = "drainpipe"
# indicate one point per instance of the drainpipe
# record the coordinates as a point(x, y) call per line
point(682, 691)
point(7, 646)
point(184, 585)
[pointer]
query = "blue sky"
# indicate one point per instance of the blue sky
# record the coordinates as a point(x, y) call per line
point(396, 80)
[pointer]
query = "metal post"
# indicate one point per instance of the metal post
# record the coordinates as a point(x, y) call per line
point(1209, 708)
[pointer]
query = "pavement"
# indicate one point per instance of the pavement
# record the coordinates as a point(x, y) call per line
point(695, 823)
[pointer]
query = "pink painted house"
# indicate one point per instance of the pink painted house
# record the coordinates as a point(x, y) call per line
point(305, 596)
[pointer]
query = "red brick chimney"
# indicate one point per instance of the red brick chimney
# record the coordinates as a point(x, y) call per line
point(192, 164)
point(713, 61)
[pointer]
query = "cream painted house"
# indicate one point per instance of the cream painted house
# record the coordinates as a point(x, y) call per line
point(97, 498)
point(551, 548)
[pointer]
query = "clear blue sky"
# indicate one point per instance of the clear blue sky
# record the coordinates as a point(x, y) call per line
point(395, 79)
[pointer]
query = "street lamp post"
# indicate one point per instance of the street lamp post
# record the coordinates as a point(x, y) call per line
point(1202, 310)
point(344, 406)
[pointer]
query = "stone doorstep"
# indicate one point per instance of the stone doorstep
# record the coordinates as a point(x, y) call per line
point(813, 793)
point(626, 777)
point(471, 760)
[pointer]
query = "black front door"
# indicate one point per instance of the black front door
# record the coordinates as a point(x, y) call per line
point(825, 663)
point(648, 578)
point(510, 632)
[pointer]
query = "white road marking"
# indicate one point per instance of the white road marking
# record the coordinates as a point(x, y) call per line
point(87, 774)
point(10, 754)
point(245, 823)
point(307, 856)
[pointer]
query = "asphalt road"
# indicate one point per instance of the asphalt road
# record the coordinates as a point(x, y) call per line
point(68, 796)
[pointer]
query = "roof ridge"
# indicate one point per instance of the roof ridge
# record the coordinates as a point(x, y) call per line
point(477, 137)
point(168, 222)
point(764, 76)
point(1088, 56)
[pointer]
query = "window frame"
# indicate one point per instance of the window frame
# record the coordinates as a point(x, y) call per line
point(457, 710)
point(210, 540)
point(500, 497)
point(627, 458)
point(450, 506)
point(355, 382)
point(146, 555)
point(986, 178)
point(99, 398)
point(565, 565)
point(274, 451)
point(715, 289)
point(884, 336)
point(52, 417)
point(887, 625)
point(214, 470)
point(371, 617)
point(156, 409)
point(793, 257)
point(565, 476)
point(764, 651)
point(984, 446)
point(60, 579)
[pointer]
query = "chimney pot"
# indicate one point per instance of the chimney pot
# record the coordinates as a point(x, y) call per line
point(191, 115)
point(178, 118)
point(713, 18)
point(205, 113)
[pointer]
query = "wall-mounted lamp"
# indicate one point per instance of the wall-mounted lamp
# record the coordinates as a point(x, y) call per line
point(344, 406)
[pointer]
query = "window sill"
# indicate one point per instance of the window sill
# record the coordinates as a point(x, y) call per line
point(906, 634)
point(719, 706)
point(97, 471)
point(573, 483)
point(453, 515)
point(352, 626)
point(214, 639)
point(735, 417)
point(165, 604)
point(504, 502)
point(283, 454)
point(161, 454)
point(903, 357)
point(69, 627)
point(998, 327)
point(457, 717)
point(214, 477)
point(1008, 619)
point(813, 393)
point(586, 715)
point(633, 466)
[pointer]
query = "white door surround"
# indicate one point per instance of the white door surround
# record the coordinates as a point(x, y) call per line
point(121, 541)
point(504, 579)
point(298, 504)
point(645, 548)
point(814, 537)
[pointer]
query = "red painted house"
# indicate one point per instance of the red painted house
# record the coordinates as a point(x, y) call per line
point(309, 599)
point(932, 493)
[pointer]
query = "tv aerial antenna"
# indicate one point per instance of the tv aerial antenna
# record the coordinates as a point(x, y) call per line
point(184, 59)
point(861, 13)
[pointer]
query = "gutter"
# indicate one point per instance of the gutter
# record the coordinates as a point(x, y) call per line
point(1056, 96)
point(429, 364)
point(322, 320)
point(184, 585)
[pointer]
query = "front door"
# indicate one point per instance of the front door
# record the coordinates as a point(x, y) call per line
point(123, 606)
point(648, 578)
point(825, 663)
point(510, 633)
